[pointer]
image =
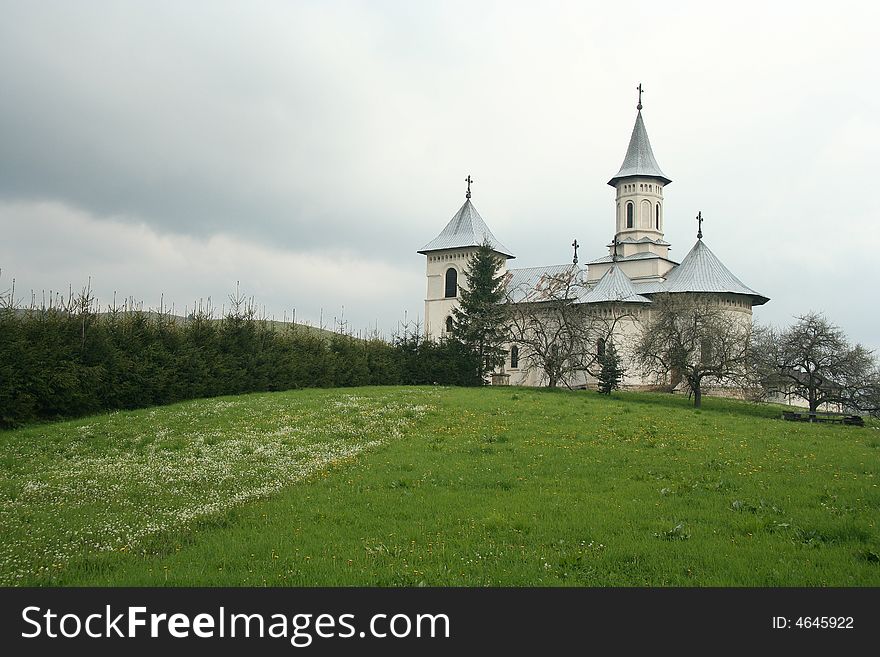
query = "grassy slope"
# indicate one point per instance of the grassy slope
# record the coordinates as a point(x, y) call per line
point(482, 487)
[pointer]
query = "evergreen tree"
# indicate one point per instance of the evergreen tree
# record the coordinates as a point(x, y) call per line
point(611, 371)
point(479, 320)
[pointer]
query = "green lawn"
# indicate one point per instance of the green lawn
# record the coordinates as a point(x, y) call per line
point(441, 486)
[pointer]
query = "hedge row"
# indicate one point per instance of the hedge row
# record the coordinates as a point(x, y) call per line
point(57, 364)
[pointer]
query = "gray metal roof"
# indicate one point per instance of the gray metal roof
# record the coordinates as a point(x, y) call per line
point(648, 287)
point(536, 284)
point(641, 255)
point(531, 283)
point(702, 271)
point(613, 286)
point(639, 160)
point(466, 228)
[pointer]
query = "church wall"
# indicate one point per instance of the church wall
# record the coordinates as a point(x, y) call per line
point(626, 330)
point(626, 334)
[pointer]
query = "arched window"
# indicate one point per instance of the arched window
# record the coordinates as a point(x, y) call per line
point(451, 282)
point(449, 324)
point(629, 215)
point(600, 347)
point(514, 357)
point(657, 217)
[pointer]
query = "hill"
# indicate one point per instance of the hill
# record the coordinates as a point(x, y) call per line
point(441, 486)
point(152, 315)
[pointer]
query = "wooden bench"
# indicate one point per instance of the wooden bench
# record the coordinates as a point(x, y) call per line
point(832, 418)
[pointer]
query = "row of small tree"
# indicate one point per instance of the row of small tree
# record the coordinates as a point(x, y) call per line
point(68, 359)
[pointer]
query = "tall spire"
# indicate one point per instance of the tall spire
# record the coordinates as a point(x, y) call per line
point(639, 160)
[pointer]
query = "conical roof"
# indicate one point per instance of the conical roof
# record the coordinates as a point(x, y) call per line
point(466, 228)
point(639, 160)
point(702, 271)
point(614, 286)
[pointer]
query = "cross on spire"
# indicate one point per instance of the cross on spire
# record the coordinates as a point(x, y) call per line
point(614, 254)
point(468, 180)
point(700, 225)
point(639, 106)
point(575, 245)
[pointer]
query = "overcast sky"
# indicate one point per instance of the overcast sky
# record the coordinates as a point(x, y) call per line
point(309, 149)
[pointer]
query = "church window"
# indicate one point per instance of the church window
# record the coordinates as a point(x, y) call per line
point(600, 347)
point(657, 217)
point(449, 324)
point(451, 283)
point(629, 215)
point(514, 357)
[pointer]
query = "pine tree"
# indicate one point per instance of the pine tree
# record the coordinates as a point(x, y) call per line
point(611, 371)
point(479, 320)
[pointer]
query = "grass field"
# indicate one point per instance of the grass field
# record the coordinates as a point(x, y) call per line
point(440, 486)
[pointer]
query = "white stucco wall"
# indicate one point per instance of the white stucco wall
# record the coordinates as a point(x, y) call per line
point(437, 306)
point(626, 333)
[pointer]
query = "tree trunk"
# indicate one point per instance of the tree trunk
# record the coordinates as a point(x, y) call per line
point(698, 396)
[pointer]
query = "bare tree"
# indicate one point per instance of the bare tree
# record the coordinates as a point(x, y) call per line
point(814, 361)
point(694, 338)
point(558, 334)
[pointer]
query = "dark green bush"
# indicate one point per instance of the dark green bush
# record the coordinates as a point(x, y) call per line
point(60, 363)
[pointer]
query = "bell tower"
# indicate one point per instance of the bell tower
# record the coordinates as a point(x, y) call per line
point(639, 212)
point(447, 258)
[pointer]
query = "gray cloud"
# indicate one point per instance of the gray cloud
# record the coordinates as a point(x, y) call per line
point(343, 131)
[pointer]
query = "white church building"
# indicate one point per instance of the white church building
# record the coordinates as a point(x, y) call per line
point(637, 266)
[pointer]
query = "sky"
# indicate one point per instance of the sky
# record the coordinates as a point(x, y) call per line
point(307, 150)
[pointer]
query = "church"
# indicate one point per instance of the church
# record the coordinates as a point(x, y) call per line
point(636, 268)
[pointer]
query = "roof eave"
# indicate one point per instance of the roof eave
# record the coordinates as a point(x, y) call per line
point(757, 299)
point(616, 179)
point(425, 250)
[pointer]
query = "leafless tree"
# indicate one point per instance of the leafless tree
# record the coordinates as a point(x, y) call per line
point(814, 361)
point(556, 333)
point(695, 338)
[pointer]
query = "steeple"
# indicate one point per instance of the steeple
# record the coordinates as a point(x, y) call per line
point(447, 261)
point(639, 203)
point(639, 160)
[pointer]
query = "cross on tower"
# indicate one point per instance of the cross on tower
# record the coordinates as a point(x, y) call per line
point(614, 255)
point(700, 225)
point(468, 180)
point(575, 245)
point(639, 106)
